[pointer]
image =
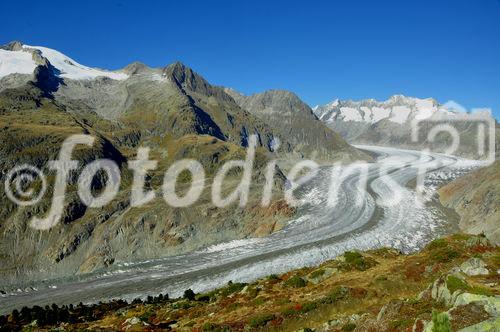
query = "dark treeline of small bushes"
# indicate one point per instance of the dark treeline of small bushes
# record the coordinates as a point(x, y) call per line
point(81, 313)
point(73, 314)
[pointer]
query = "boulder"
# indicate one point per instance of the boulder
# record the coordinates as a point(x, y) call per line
point(491, 304)
point(474, 267)
point(490, 325)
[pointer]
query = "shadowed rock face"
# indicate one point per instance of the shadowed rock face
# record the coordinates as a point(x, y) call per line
point(475, 197)
point(173, 111)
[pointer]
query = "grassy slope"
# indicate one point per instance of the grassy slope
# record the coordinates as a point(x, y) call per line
point(340, 295)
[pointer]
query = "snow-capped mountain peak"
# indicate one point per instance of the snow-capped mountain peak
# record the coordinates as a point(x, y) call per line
point(23, 59)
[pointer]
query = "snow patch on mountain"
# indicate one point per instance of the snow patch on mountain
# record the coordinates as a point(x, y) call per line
point(425, 107)
point(22, 61)
point(399, 114)
point(12, 62)
point(351, 114)
point(379, 113)
point(71, 69)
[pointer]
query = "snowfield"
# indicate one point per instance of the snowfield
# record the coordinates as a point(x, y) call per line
point(21, 62)
point(16, 62)
point(71, 69)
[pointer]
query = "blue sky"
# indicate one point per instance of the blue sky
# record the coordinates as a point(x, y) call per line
point(321, 50)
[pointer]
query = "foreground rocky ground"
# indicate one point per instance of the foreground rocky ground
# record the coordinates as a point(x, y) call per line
point(451, 285)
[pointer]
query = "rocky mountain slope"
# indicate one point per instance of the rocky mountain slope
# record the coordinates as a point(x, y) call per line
point(295, 119)
point(451, 285)
point(46, 96)
point(476, 198)
point(390, 123)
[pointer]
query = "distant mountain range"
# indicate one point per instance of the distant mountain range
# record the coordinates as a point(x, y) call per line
point(397, 109)
point(390, 122)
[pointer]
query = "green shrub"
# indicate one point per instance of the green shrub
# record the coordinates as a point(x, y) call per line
point(146, 316)
point(354, 259)
point(437, 243)
point(295, 282)
point(441, 252)
point(252, 292)
point(189, 294)
point(413, 301)
point(444, 255)
point(215, 328)
point(289, 311)
point(182, 305)
point(259, 301)
point(400, 324)
point(352, 256)
point(482, 291)
point(309, 306)
point(317, 273)
point(212, 295)
point(261, 320)
point(496, 260)
point(208, 327)
point(453, 283)
point(292, 310)
point(338, 293)
point(203, 298)
point(232, 288)
point(460, 237)
point(441, 322)
point(233, 306)
point(477, 240)
point(349, 327)
point(282, 300)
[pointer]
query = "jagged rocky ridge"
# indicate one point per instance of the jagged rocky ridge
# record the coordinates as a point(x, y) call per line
point(285, 111)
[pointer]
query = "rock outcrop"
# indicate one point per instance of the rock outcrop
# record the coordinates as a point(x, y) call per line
point(284, 111)
point(476, 198)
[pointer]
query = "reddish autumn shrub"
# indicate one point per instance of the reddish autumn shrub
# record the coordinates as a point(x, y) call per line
point(414, 271)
